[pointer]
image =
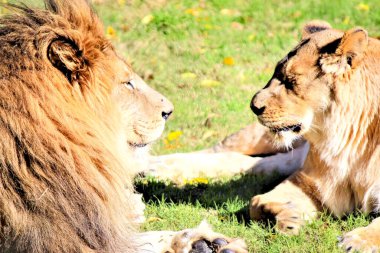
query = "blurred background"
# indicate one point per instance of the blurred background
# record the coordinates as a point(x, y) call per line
point(210, 57)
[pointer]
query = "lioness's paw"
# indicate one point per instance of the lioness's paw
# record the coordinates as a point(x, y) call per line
point(203, 240)
point(288, 218)
point(360, 240)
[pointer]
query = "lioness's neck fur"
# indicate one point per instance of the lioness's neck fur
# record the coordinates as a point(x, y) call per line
point(346, 145)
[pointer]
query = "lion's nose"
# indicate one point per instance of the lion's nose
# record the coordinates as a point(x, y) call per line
point(167, 108)
point(257, 109)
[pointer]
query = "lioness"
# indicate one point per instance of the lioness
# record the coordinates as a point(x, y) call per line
point(74, 118)
point(327, 90)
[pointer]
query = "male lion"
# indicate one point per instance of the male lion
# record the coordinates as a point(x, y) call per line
point(326, 89)
point(73, 118)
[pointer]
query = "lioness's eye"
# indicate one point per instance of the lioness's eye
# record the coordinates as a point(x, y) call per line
point(130, 84)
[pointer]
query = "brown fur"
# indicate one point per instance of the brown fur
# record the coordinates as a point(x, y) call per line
point(327, 89)
point(63, 181)
point(75, 124)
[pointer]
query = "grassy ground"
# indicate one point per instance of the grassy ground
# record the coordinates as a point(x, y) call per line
point(209, 58)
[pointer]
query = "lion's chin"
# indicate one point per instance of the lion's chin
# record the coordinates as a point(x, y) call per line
point(137, 145)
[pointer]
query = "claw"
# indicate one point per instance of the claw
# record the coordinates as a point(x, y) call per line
point(220, 242)
point(227, 251)
point(200, 247)
point(339, 238)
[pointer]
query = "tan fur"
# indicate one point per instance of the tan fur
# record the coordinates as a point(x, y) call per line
point(329, 87)
point(75, 124)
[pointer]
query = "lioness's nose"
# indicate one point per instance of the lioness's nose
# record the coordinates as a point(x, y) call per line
point(257, 107)
point(167, 108)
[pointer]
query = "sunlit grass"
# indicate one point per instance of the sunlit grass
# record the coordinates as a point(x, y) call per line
point(209, 58)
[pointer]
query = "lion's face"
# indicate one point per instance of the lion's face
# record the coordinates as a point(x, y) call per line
point(143, 109)
point(304, 83)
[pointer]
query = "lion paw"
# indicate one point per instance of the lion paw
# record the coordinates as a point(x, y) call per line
point(203, 240)
point(288, 218)
point(359, 240)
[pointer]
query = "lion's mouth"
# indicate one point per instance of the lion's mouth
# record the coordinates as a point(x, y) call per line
point(137, 145)
point(294, 128)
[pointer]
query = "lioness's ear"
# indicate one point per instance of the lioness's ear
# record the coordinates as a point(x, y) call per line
point(65, 55)
point(353, 46)
point(313, 27)
point(348, 54)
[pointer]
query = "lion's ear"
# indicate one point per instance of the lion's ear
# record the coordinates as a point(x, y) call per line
point(65, 55)
point(313, 27)
point(348, 54)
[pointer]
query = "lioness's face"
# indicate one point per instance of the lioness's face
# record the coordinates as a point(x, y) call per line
point(144, 110)
point(299, 89)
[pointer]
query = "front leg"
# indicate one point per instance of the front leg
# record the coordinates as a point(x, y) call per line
point(291, 203)
point(201, 239)
point(363, 239)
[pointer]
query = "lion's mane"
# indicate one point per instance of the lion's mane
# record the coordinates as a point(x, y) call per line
point(64, 183)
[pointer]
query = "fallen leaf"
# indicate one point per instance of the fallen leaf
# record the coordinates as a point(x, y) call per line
point(251, 37)
point(229, 61)
point(111, 32)
point(174, 135)
point(147, 19)
point(296, 14)
point(208, 134)
point(230, 12)
point(346, 20)
point(193, 11)
point(153, 219)
point(188, 75)
point(196, 181)
point(210, 83)
point(121, 2)
point(237, 26)
point(363, 7)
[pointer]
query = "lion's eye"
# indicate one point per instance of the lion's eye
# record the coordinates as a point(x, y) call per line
point(130, 84)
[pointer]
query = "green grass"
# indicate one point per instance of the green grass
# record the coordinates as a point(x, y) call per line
point(185, 44)
point(178, 52)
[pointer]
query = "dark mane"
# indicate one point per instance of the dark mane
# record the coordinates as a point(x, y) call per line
point(61, 178)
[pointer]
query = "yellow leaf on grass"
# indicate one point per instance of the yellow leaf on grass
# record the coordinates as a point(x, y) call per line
point(363, 7)
point(208, 27)
point(196, 181)
point(229, 61)
point(251, 37)
point(229, 12)
point(121, 2)
point(153, 219)
point(208, 134)
point(346, 20)
point(193, 11)
point(147, 19)
point(188, 75)
point(174, 135)
point(210, 83)
point(111, 32)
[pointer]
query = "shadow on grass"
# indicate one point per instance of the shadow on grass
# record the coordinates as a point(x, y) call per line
point(211, 194)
